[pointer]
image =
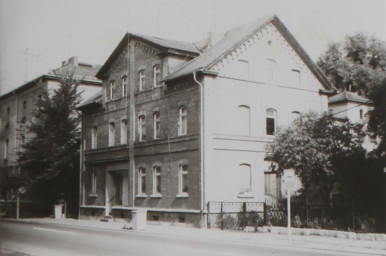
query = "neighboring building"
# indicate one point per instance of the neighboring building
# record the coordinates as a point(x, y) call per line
point(350, 106)
point(17, 106)
point(175, 128)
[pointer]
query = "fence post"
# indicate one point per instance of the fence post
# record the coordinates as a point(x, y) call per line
point(208, 217)
point(221, 216)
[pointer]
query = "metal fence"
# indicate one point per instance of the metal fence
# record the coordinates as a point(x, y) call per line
point(235, 215)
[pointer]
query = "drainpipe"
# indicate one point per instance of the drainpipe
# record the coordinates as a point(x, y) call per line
point(202, 206)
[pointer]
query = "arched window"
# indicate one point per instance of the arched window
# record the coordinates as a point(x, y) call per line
point(156, 180)
point(270, 121)
point(296, 81)
point(245, 178)
point(244, 120)
point(182, 121)
point(141, 181)
point(156, 76)
point(141, 80)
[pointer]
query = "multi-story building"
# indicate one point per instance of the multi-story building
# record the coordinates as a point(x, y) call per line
point(176, 127)
point(17, 106)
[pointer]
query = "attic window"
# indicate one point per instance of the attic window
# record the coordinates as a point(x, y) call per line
point(269, 42)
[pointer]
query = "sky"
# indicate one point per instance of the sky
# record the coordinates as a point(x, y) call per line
point(37, 35)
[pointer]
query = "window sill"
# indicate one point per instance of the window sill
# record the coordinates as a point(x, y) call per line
point(156, 196)
point(182, 196)
point(141, 196)
point(93, 195)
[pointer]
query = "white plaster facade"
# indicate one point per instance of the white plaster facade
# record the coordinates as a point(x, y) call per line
point(235, 105)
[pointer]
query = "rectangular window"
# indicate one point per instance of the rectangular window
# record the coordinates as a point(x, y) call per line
point(183, 180)
point(124, 86)
point(93, 183)
point(24, 105)
point(123, 131)
point(157, 76)
point(361, 114)
point(182, 122)
point(111, 134)
point(94, 137)
point(141, 181)
point(6, 144)
point(141, 128)
point(157, 125)
point(270, 126)
point(112, 89)
point(141, 78)
point(157, 180)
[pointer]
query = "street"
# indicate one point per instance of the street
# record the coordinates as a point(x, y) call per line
point(42, 239)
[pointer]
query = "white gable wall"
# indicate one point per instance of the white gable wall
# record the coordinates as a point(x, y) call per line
point(235, 105)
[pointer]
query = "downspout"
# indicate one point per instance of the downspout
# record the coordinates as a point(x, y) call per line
point(202, 136)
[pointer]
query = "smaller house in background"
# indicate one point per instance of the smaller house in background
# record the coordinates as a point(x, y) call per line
point(17, 106)
point(350, 106)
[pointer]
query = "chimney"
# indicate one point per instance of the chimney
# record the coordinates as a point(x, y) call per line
point(73, 61)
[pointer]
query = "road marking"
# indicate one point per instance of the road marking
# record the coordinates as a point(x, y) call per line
point(55, 230)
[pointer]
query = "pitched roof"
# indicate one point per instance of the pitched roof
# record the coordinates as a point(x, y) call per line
point(347, 96)
point(165, 44)
point(234, 38)
point(95, 99)
point(82, 71)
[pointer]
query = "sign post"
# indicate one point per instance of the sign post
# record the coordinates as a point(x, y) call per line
point(289, 186)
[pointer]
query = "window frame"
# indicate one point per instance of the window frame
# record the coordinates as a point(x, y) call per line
point(183, 172)
point(246, 192)
point(111, 134)
point(94, 182)
point(269, 118)
point(141, 80)
point(156, 75)
point(182, 121)
point(124, 86)
point(156, 125)
point(123, 139)
point(112, 89)
point(141, 173)
point(157, 180)
point(141, 128)
point(94, 137)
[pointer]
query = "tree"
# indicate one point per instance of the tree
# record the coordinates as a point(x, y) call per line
point(311, 147)
point(377, 117)
point(49, 163)
point(357, 64)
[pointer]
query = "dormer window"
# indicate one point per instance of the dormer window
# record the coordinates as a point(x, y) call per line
point(156, 76)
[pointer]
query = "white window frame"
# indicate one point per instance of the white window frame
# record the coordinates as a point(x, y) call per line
point(157, 180)
point(156, 75)
point(141, 128)
point(111, 134)
point(183, 171)
point(123, 131)
point(141, 79)
point(141, 181)
point(94, 137)
point(156, 125)
point(112, 89)
point(182, 121)
point(270, 113)
point(124, 86)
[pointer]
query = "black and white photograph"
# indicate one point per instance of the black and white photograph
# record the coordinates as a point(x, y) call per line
point(192, 127)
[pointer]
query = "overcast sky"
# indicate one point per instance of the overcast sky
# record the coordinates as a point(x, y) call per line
point(37, 35)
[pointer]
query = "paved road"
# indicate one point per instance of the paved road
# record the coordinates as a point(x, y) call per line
point(42, 239)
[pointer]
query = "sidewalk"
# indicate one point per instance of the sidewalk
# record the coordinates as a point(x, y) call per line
point(239, 237)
